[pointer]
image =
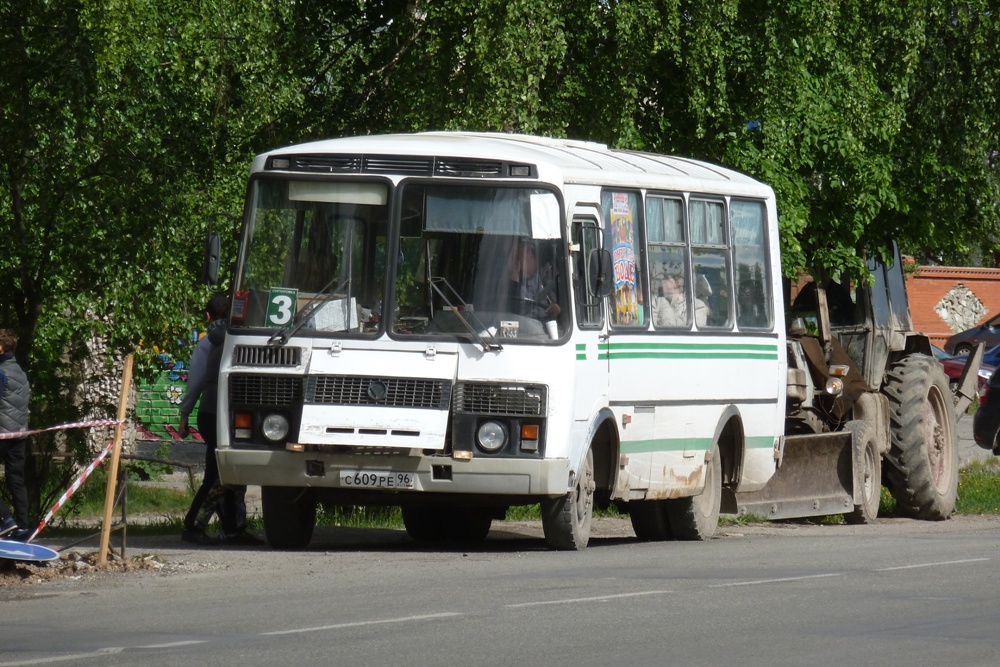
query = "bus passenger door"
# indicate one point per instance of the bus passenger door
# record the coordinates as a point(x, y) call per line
point(591, 334)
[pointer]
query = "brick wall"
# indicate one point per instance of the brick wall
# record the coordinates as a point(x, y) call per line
point(928, 285)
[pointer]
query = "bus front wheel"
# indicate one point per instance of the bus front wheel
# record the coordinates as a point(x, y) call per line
point(289, 516)
point(566, 520)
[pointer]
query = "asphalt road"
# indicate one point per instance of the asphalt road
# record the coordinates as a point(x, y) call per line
point(897, 593)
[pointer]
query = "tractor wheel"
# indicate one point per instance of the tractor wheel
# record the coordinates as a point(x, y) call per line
point(871, 482)
point(923, 459)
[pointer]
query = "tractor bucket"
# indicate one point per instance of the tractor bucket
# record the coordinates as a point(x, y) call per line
point(819, 474)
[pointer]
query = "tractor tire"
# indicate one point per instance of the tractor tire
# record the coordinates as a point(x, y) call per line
point(871, 486)
point(922, 470)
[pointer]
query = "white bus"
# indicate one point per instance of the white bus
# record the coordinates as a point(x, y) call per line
point(457, 323)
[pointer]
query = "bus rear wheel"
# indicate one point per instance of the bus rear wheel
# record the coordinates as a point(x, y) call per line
point(566, 520)
point(649, 520)
point(697, 517)
point(289, 516)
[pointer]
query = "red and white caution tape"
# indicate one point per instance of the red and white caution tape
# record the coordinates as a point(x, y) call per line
point(61, 427)
point(73, 488)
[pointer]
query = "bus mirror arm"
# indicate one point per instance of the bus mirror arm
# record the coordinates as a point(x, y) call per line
point(604, 281)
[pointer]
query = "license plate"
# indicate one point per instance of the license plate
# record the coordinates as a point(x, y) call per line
point(376, 479)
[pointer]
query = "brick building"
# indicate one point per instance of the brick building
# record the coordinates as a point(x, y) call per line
point(945, 300)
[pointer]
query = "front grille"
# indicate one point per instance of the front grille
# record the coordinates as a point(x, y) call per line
point(501, 399)
point(266, 355)
point(272, 390)
point(380, 391)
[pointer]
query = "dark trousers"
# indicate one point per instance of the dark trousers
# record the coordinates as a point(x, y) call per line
point(228, 510)
point(12, 455)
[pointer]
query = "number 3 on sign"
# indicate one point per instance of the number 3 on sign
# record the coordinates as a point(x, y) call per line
point(281, 305)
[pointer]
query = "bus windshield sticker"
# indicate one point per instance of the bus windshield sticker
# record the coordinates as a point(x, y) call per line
point(281, 302)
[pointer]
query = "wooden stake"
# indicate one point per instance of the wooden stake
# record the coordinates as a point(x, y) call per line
point(109, 496)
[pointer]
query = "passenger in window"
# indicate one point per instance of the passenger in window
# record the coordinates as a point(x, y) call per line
point(669, 309)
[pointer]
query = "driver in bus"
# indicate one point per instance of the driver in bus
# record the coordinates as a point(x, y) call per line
point(533, 291)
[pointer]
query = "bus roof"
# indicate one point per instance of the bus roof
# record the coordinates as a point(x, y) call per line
point(557, 160)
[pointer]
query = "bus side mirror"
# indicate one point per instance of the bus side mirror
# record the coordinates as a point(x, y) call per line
point(603, 281)
point(210, 264)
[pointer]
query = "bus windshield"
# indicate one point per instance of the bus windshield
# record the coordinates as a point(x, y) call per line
point(472, 261)
point(313, 256)
point(481, 261)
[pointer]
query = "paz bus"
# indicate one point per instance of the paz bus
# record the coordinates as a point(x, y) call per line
point(458, 323)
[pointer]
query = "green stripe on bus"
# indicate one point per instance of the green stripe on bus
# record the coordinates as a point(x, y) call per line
point(760, 442)
point(765, 347)
point(687, 444)
point(690, 355)
point(751, 351)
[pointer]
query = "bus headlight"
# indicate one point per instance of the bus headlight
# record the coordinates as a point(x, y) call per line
point(275, 428)
point(491, 436)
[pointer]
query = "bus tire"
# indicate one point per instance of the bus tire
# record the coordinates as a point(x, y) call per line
point(424, 524)
point(697, 517)
point(871, 489)
point(649, 520)
point(566, 520)
point(470, 525)
point(430, 524)
point(289, 516)
point(922, 474)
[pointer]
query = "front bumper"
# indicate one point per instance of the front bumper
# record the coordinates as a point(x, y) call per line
point(432, 474)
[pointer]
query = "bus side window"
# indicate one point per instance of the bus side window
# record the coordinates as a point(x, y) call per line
point(669, 299)
point(586, 271)
point(710, 259)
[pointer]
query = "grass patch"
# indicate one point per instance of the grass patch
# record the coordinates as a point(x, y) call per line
point(360, 517)
point(141, 498)
point(979, 488)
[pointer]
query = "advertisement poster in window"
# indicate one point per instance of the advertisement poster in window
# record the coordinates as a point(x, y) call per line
point(627, 310)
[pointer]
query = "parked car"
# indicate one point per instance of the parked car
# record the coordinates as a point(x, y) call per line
point(992, 356)
point(953, 366)
point(987, 333)
point(986, 423)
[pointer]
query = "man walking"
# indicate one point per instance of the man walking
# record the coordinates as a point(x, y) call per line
point(203, 382)
point(15, 394)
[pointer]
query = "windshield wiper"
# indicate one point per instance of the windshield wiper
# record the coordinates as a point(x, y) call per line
point(492, 343)
point(280, 337)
